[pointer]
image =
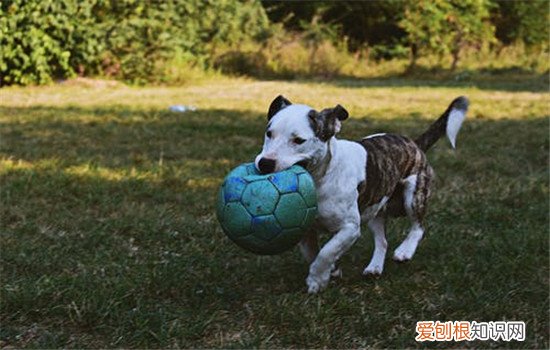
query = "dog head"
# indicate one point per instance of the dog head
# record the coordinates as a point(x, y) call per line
point(297, 134)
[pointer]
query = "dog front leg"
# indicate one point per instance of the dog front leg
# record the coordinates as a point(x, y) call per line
point(309, 247)
point(319, 270)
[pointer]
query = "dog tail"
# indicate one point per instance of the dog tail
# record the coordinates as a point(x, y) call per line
point(449, 122)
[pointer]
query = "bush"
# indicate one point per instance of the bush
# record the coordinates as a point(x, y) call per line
point(175, 41)
point(129, 39)
point(288, 59)
point(32, 41)
point(316, 51)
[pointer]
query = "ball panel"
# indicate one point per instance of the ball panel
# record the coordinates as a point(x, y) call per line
point(256, 177)
point(296, 169)
point(265, 227)
point(240, 171)
point(284, 181)
point(236, 219)
point(251, 169)
point(307, 189)
point(255, 244)
point(233, 188)
point(291, 210)
point(260, 198)
point(286, 239)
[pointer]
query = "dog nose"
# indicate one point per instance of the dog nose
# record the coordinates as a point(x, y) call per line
point(266, 165)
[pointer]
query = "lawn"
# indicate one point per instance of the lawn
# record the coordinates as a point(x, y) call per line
point(109, 238)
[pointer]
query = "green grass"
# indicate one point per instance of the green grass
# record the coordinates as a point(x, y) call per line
point(109, 238)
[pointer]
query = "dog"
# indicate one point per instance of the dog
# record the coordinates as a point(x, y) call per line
point(366, 181)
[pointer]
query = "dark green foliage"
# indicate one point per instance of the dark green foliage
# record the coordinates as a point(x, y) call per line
point(132, 40)
point(380, 24)
point(373, 23)
point(525, 21)
point(444, 27)
point(35, 40)
point(161, 41)
point(144, 36)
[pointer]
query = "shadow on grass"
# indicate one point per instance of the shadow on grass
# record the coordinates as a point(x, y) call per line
point(122, 137)
point(513, 79)
point(462, 80)
point(149, 152)
point(118, 140)
point(108, 229)
point(126, 137)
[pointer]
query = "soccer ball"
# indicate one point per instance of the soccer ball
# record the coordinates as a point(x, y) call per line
point(266, 214)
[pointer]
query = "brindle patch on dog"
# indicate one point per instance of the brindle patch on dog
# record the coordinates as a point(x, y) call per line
point(390, 159)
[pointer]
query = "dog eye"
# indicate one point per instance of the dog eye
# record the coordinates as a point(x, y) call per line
point(298, 140)
point(268, 134)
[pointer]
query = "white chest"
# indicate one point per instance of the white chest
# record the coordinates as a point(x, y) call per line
point(333, 203)
point(337, 190)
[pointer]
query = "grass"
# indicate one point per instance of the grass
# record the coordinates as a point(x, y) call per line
point(109, 239)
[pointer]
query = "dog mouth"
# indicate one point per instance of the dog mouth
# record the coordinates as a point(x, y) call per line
point(303, 163)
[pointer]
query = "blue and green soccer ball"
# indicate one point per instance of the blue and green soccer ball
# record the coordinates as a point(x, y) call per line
point(266, 214)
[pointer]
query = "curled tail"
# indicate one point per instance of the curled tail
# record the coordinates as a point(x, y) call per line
point(449, 122)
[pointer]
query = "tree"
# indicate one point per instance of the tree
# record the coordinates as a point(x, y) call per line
point(362, 22)
point(424, 22)
point(525, 21)
point(446, 26)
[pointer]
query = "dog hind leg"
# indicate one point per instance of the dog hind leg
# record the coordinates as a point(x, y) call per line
point(416, 194)
point(406, 249)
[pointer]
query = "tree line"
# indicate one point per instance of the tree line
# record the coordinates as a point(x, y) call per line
point(139, 40)
point(412, 28)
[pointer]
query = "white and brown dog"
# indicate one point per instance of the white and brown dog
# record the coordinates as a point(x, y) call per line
point(381, 176)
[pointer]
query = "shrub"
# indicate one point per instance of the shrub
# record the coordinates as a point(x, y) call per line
point(32, 41)
point(443, 27)
point(316, 51)
point(129, 39)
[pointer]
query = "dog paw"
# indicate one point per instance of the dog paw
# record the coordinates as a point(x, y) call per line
point(312, 286)
point(316, 284)
point(373, 270)
point(403, 254)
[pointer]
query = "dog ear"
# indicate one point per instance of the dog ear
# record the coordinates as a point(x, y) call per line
point(340, 113)
point(327, 123)
point(278, 103)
